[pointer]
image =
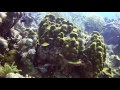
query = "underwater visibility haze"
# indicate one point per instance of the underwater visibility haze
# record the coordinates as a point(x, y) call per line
point(59, 44)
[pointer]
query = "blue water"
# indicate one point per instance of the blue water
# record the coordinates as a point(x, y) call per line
point(110, 15)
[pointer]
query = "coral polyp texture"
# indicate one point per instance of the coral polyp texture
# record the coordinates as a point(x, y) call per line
point(61, 53)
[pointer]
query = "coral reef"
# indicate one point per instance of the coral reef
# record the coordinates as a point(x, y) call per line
point(8, 22)
point(113, 63)
point(8, 39)
point(111, 35)
point(57, 50)
point(26, 50)
point(12, 41)
point(113, 30)
point(96, 51)
point(61, 50)
point(94, 23)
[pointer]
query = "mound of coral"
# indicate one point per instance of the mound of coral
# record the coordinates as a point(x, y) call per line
point(62, 53)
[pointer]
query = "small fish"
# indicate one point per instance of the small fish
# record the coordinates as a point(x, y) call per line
point(23, 21)
point(47, 65)
point(42, 69)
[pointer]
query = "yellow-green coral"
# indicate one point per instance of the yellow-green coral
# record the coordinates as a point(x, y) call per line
point(96, 53)
point(45, 44)
point(8, 69)
point(108, 72)
point(66, 50)
point(9, 56)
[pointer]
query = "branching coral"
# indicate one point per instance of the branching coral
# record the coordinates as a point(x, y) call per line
point(4, 70)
